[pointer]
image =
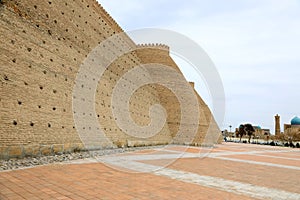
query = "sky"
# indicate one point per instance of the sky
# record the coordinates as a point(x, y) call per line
point(254, 44)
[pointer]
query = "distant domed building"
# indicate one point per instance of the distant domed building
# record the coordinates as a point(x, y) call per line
point(293, 129)
point(261, 132)
point(295, 121)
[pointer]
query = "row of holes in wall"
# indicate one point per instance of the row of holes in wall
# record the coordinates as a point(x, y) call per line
point(14, 122)
point(6, 78)
point(39, 106)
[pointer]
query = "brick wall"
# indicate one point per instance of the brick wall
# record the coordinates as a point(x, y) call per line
point(43, 44)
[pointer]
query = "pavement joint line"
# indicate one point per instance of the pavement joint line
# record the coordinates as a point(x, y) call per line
point(280, 157)
point(209, 181)
point(259, 163)
point(187, 155)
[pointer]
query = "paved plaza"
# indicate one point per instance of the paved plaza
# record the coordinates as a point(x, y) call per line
point(227, 171)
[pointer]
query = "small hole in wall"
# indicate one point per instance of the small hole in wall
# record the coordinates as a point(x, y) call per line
point(39, 106)
point(20, 102)
point(45, 72)
point(14, 60)
point(31, 124)
point(50, 2)
point(29, 49)
point(41, 87)
point(49, 32)
point(51, 59)
point(37, 25)
point(6, 78)
point(15, 122)
point(54, 91)
point(53, 108)
point(35, 6)
point(62, 127)
point(49, 125)
point(47, 15)
point(25, 83)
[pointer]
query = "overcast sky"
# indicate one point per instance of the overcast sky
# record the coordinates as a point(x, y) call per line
point(255, 45)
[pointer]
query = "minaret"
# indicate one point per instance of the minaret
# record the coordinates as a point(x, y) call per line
point(277, 124)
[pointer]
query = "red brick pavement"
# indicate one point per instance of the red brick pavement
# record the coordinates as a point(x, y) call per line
point(99, 181)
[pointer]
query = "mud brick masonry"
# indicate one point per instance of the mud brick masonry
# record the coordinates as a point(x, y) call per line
point(43, 44)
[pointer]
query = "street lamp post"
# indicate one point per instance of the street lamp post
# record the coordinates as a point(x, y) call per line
point(230, 132)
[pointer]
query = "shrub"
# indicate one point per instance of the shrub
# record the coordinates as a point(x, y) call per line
point(292, 145)
point(272, 143)
point(286, 144)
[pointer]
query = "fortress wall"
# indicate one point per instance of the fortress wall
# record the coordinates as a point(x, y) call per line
point(139, 105)
point(43, 44)
point(157, 53)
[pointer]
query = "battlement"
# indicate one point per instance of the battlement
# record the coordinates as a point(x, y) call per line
point(192, 84)
point(107, 16)
point(155, 46)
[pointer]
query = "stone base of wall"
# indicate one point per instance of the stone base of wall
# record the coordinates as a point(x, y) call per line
point(21, 151)
point(140, 143)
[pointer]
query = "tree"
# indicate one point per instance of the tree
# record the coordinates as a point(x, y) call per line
point(246, 129)
point(241, 131)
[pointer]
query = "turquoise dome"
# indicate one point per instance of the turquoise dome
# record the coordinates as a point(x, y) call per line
point(258, 127)
point(295, 121)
